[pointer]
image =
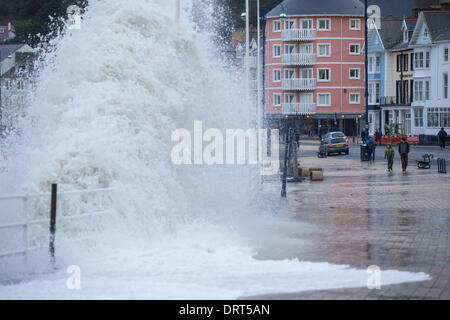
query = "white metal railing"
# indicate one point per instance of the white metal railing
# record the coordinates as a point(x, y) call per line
point(298, 59)
point(298, 34)
point(298, 108)
point(25, 223)
point(299, 84)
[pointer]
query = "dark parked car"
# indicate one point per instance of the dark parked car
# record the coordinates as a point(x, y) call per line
point(334, 142)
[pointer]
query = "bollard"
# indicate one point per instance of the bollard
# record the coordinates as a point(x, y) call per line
point(53, 221)
point(305, 172)
point(442, 165)
point(295, 161)
point(316, 175)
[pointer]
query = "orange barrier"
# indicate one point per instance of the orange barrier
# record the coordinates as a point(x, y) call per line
point(396, 139)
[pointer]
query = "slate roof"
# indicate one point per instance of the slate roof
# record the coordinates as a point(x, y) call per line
point(398, 9)
point(411, 24)
point(391, 33)
point(319, 7)
point(438, 23)
point(7, 49)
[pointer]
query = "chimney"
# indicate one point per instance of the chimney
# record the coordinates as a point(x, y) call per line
point(445, 5)
point(9, 26)
point(424, 5)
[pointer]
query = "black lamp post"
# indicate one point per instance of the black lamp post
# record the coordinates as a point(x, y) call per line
point(366, 69)
point(1, 104)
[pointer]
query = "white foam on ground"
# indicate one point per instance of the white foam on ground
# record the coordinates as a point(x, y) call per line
point(199, 262)
point(103, 116)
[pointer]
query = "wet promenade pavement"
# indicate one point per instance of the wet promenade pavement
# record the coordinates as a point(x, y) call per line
point(362, 216)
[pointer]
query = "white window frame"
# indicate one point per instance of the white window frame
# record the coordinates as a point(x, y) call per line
point(327, 22)
point(274, 51)
point(350, 74)
point(275, 23)
point(354, 94)
point(350, 49)
point(309, 70)
point(275, 104)
point(301, 23)
point(318, 74)
point(424, 62)
point(289, 70)
point(286, 23)
point(422, 89)
point(274, 77)
point(290, 46)
point(306, 45)
point(329, 50)
point(290, 95)
point(445, 85)
point(418, 117)
point(2, 30)
point(373, 98)
point(354, 28)
point(405, 36)
point(322, 94)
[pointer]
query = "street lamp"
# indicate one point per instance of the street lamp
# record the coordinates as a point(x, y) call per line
point(365, 72)
point(1, 84)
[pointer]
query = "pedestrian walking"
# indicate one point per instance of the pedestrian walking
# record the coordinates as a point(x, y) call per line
point(376, 136)
point(389, 154)
point(380, 135)
point(403, 149)
point(442, 137)
point(372, 146)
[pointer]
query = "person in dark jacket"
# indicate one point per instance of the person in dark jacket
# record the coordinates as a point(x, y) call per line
point(377, 136)
point(371, 144)
point(403, 149)
point(442, 137)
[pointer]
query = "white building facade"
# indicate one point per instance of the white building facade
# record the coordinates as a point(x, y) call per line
point(431, 104)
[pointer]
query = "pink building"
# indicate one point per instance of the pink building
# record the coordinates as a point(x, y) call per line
point(315, 65)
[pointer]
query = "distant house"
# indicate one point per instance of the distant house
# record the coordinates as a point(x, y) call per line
point(431, 44)
point(315, 65)
point(6, 32)
point(396, 105)
point(16, 76)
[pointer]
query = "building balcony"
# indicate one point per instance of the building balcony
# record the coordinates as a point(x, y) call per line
point(304, 84)
point(298, 108)
point(395, 101)
point(298, 35)
point(298, 59)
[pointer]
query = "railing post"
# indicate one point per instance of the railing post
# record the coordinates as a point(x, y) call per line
point(53, 221)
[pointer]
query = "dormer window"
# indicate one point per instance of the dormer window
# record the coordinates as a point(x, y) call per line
point(405, 36)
